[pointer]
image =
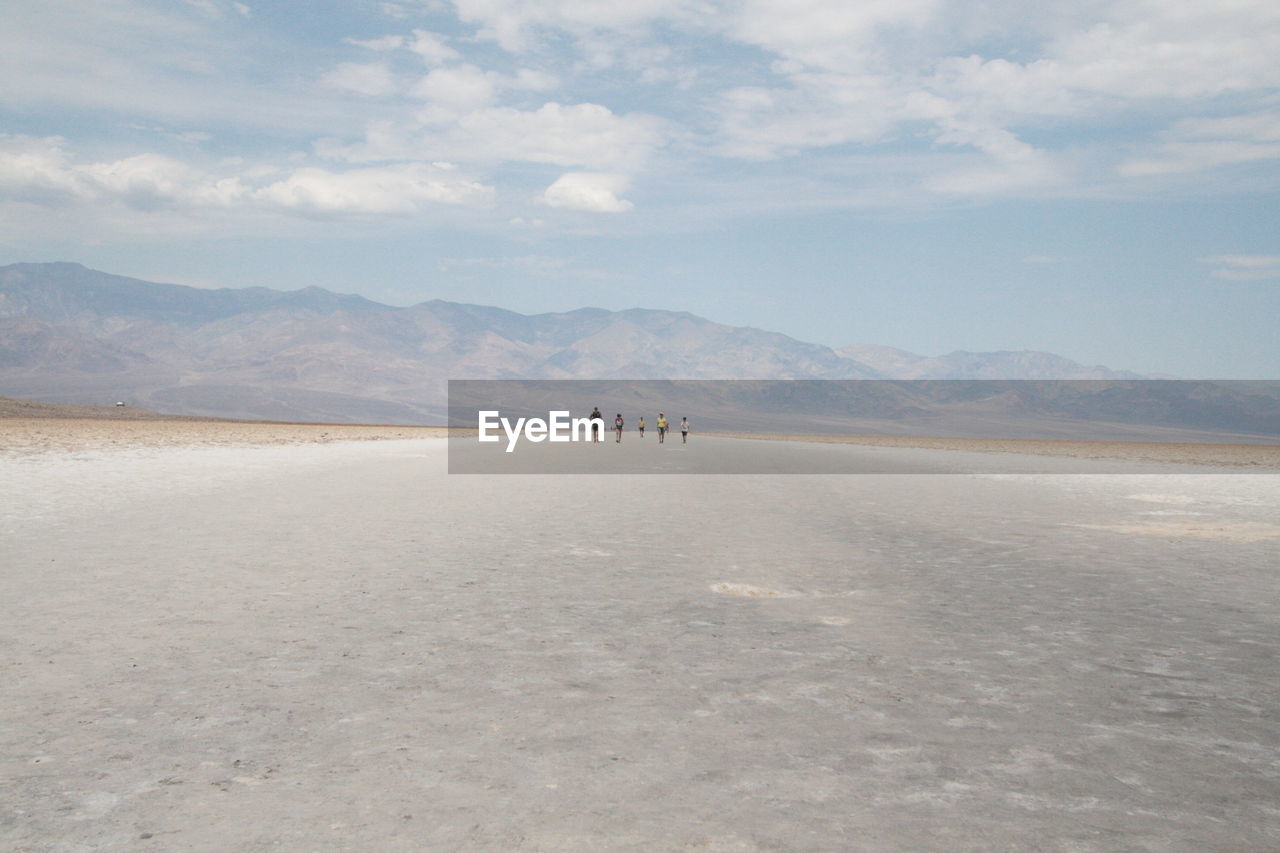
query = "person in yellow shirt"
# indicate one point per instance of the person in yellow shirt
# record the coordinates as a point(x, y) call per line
point(640, 425)
point(662, 428)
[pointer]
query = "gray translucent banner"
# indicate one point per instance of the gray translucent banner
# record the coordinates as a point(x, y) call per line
point(864, 426)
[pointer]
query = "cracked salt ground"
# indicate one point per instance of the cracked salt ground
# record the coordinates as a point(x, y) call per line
point(398, 664)
point(1235, 531)
point(578, 551)
point(744, 590)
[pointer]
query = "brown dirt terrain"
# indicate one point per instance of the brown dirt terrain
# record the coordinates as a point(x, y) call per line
point(31, 427)
point(28, 426)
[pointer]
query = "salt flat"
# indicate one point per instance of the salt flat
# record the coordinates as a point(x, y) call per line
point(851, 455)
point(340, 647)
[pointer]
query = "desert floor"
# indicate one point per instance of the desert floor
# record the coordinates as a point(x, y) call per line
point(290, 644)
point(26, 435)
point(1265, 457)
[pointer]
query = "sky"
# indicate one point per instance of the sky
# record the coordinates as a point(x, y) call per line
point(1095, 179)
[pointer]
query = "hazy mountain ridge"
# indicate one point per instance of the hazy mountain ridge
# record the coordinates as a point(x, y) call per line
point(29, 344)
point(72, 334)
point(1017, 364)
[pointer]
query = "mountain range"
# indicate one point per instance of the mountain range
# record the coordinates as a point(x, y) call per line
point(75, 335)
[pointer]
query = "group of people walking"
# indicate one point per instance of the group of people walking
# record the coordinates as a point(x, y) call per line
point(619, 423)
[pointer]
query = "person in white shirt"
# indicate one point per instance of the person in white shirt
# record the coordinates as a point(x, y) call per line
point(684, 430)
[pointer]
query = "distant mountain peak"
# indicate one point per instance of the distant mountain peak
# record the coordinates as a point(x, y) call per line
point(76, 335)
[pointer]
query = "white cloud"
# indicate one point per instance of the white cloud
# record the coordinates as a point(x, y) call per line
point(378, 45)
point(148, 180)
point(130, 61)
point(1257, 127)
point(1010, 166)
point(208, 7)
point(1245, 267)
point(1093, 65)
point(532, 80)
point(374, 79)
point(906, 100)
point(519, 25)
point(464, 87)
point(587, 136)
point(468, 87)
point(40, 171)
point(432, 47)
point(1176, 50)
point(1175, 157)
point(833, 35)
point(593, 192)
point(818, 111)
point(1193, 145)
point(384, 139)
point(1016, 177)
point(999, 87)
point(400, 189)
point(36, 170)
point(187, 137)
point(564, 135)
point(872, 73)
